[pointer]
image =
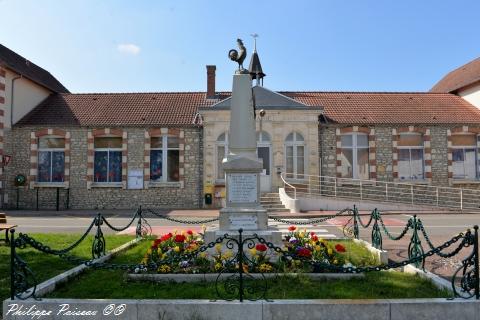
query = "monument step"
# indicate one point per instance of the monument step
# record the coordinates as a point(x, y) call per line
point(271, 202)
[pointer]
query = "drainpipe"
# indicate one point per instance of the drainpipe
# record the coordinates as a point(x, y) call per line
point(12, 94)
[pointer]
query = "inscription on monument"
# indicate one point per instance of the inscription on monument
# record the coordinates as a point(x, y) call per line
point(246, 222)
point(242, 187)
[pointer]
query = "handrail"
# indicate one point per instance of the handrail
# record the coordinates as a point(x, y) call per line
point(387, 191)
point(286, 183)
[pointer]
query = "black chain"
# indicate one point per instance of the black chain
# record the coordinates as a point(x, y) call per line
point(310, 221)
point(464, 243)
point(401, 235)
point(162, 216)
point(120, 229)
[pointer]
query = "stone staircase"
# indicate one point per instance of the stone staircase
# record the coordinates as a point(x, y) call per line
point(272, 202)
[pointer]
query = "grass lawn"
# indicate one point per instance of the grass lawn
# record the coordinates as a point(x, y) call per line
point(46, 266)
point(375, 285)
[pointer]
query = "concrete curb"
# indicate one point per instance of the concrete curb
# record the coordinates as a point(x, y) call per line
point(438, 281)
point(361, 309)
point(213, 276)
point(52, 283)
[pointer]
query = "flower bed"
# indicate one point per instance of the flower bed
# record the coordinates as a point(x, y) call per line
point(185, 253)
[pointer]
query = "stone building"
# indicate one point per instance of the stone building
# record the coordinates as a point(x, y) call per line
point(121, 150)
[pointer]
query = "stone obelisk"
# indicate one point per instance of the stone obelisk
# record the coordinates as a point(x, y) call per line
point(242, 167)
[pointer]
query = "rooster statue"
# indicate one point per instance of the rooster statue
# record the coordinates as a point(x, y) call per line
point(238, 56)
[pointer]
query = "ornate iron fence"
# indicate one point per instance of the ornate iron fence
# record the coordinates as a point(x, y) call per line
point(233, 281)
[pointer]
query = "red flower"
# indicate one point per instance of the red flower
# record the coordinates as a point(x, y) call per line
point(339, 248)
point(166, 237)
point(190, 232)
point(261, 247)
point(180, 238)
point(312, 233)
point(314, 238)
point(157, 242)
point(304, 252)
point(292, 228)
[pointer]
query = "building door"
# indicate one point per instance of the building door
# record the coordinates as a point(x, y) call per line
point(264, 153)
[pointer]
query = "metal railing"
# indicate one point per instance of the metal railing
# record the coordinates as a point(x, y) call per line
point(394, 192)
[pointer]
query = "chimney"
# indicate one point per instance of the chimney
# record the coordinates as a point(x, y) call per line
point(211, 82)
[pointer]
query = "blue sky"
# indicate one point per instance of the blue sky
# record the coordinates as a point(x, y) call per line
point(337, 45)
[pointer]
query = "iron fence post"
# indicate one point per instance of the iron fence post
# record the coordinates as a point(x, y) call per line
point(58, 200)
point(138, 232)
point(12, 261)
point(240, 262)
point(477, 271)
point(356, 232)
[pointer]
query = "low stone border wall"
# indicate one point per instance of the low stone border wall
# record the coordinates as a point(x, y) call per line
point(438, 281)
point(50, 284)
point(213, 276)
point(381, 309)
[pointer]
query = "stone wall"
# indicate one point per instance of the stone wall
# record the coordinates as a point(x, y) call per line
point(383, 136)
point(328, 151)
point(184, 194)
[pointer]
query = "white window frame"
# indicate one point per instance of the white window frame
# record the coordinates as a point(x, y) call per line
point(50, 150)
point(355, 149)
point(265, 144)
point(463, 147)
point(295, 144)
point(410, 154)
point(220, 144)
point(164, 150)
point(108, 150)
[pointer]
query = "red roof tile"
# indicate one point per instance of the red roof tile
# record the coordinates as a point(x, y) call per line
point(179, 108)
point(459, 78)
point(391, 108)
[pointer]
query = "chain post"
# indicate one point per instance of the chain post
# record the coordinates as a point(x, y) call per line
point(356, 231)
point(138, 231)
point(376, 234)
point(12, 262)
point(98, 245)
point(415, 247)
point(240, 262)
point(477, 271)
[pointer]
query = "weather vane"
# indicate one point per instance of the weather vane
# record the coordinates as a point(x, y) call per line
point(255, 36)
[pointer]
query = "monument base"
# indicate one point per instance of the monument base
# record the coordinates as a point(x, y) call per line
point(272, 235)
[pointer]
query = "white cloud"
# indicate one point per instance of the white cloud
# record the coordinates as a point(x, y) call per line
point(128, 48)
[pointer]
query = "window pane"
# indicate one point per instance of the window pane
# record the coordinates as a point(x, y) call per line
point(264, 154)
point(362, 166)
point(289, 164)
point(264, 136)
point(220, 156)
point(410, 140)
point(44, 160)
point(100, 168)
point(347, 163)
point(458, 159)
point(300, 162)
point(172, 142)
point(50, 143)
point(108, 142)
point(347, 140)
point(464, 140)
point(362, 140)
point(156, 142)
point(221, 137)
point(115, 166)
point(58, 166)
point(470, 170)
point(156, 165)
point(298, 137)
point(417, 163)
point(173, 165)
point(289, 137)
point(404, 164)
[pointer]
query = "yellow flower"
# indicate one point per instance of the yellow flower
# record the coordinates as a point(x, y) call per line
point(164, 256)
point(253, 252)
point(144, 261)
point(176, 249)
point(330, 251)
point(301, 234)
point(203, 255)
point(318, 248)
point(335, 261)
point(264, 267)
point(149, 251)
point(218, 266)
point(218, 247)
point(164, 269)
point(228, 254)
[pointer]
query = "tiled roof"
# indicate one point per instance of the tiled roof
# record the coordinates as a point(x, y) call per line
point(459, 78)
point(391, 108)
point(179, 108)
point(30, 70)
point(118, 109)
